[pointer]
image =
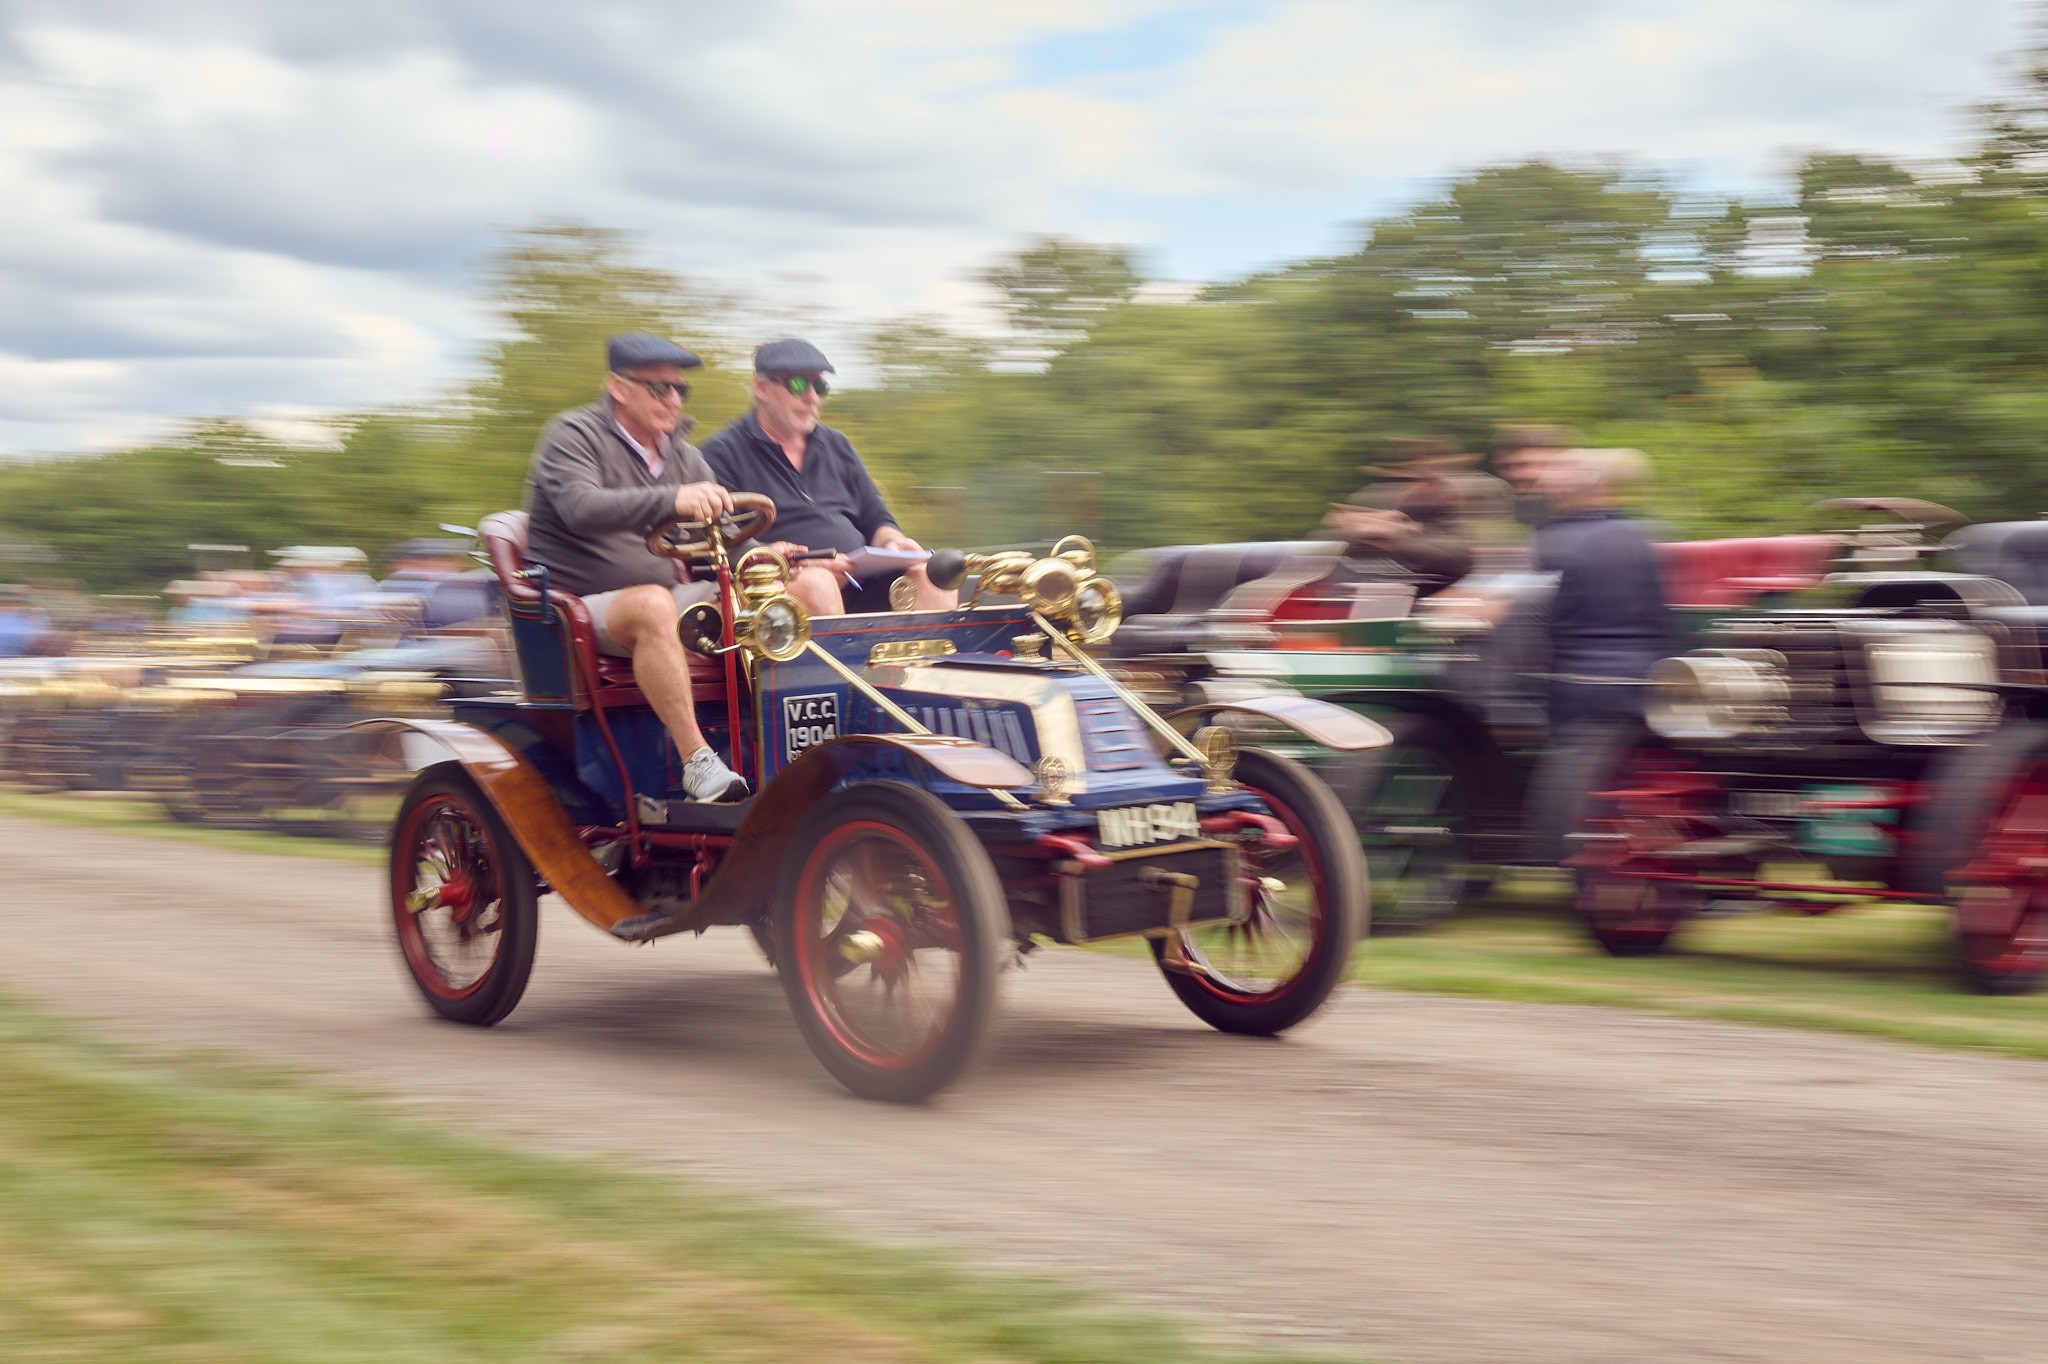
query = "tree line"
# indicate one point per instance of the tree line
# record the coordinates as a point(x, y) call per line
point(1884, 331)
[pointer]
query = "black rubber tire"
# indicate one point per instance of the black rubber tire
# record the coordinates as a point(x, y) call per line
point(915, 822)
point(1428, 775)
point(444, 806)
point(1970, 793)
point(1333, 864)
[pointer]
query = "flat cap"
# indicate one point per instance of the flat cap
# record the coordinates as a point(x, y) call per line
point(791, 356)
point(631, 350)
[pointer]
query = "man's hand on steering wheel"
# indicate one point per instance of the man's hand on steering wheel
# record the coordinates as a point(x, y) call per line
point(702, 502)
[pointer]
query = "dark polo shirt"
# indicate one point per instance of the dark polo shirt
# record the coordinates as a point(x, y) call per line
point(832, 504)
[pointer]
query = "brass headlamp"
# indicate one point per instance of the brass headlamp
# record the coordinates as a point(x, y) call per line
point(771, 623)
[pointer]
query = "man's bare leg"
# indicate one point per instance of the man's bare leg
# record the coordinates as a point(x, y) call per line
point(817, 591)
point(644, 620)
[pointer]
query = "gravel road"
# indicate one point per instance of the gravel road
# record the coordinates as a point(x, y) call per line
point(1404, 1178)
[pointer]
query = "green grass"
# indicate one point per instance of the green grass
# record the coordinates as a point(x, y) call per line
point(147, 819)
point(1882, 971)
point(193, 1209)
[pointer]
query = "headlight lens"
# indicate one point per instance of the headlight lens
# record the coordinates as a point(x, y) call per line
point(1716, 694)
point(780, 629)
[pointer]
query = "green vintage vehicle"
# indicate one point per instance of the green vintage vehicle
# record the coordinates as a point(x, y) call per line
point(1466, 787)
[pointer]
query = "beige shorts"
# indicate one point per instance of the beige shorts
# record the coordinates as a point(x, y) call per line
point(686, 594)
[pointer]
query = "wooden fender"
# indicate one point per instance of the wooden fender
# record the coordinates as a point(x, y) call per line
point(528, 806)
point(1319, 721)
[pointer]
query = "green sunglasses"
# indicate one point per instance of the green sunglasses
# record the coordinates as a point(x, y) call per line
point(800, 384)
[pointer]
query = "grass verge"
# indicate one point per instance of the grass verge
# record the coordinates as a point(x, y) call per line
point(146, 819)
point(194, 1209)
point(1880, 971)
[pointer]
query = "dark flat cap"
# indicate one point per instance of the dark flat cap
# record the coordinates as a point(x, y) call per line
point(791, 356)
point(634, 349)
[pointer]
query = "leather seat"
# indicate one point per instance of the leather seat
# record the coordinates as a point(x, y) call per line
point(1167, 606)
point(553, 636)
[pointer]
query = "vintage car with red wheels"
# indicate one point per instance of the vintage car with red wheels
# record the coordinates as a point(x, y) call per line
point(1468, 785)
point(1883, 741)
point(939, 792)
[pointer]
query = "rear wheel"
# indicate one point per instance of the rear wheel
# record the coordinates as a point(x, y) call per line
point(1989, 810)
point(1308, 907)
point(888, 935)
point(1650, 799)
point(464, 899)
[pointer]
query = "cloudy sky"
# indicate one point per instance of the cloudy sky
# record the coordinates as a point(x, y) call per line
point(277, 209)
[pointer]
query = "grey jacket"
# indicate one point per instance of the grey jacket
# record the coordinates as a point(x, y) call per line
point(592, 501)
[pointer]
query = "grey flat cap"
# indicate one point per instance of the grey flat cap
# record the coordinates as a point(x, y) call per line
point(791, 356)
point(634, 349)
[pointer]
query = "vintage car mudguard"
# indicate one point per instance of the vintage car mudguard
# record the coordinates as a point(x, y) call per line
point(1318, 721)
point(746, 875)
point(522, 798)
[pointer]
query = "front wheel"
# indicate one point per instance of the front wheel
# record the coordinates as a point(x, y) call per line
point(1989, 811)
point(464, 899)
point(889, 931)
point(1308, 907)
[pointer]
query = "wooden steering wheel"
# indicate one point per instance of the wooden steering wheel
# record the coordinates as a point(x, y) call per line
point(752, 513)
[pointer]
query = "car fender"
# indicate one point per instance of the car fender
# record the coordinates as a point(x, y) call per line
point(1317, 721)
point(526, 803)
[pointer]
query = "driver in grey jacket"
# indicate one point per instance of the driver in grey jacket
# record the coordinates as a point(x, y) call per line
point(602, 477)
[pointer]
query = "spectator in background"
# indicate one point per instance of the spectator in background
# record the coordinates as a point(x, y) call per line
point(1408, 524)
point(1522, 452)
point(1607, 621)
point(202, 602)
point(22, 623)
point(437, 574)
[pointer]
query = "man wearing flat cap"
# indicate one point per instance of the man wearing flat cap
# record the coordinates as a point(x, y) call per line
point(1407, 523)
point(824, 496)
point(602, 477)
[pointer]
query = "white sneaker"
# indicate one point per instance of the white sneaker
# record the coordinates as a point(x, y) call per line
point(706, 778)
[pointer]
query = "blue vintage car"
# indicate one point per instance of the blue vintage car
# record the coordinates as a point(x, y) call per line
point(939, 792)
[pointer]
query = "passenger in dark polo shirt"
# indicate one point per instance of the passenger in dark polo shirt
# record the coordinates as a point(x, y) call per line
point(824, 497)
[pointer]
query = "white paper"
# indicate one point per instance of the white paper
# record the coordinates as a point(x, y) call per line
point(871, 562)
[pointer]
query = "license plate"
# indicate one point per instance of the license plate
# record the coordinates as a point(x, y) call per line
point(1132, 826)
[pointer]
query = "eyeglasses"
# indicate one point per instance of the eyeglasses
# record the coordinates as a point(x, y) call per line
point(800, 384)
point(660, 388)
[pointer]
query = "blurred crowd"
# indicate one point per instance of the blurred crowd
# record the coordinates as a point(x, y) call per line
point(314, 595)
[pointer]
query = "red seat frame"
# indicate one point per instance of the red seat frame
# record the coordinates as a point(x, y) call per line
point(598, 679)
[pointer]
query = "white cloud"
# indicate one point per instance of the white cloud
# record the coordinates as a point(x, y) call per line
point(231, 205)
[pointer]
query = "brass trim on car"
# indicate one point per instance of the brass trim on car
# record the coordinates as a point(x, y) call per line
point(909, 651)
